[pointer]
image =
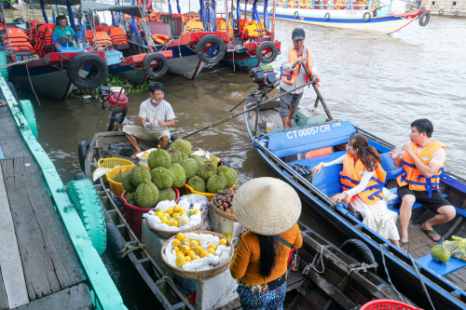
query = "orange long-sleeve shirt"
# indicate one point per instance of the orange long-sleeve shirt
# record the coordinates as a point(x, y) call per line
point(245, 264)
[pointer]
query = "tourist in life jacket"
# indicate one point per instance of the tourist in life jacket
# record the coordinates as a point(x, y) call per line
point(362, 180)
point(294, 76)
point(422, 161)
point(156, 116)
point(64, 35)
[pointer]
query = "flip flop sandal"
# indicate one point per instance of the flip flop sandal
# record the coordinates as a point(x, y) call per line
point(404, 246)
point(431, 233)
point(3, 105)
point(127, 151)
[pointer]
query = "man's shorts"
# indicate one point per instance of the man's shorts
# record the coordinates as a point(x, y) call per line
point(433, 203)
point(288, 101)
point(146, 134)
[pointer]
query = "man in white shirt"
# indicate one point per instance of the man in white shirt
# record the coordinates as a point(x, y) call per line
point(294, 76)
point(156, 117)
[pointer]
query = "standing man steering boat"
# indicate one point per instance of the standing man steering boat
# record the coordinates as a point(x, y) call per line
point(293, 75)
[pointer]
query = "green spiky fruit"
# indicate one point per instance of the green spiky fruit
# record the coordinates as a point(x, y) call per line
point(167, 194)
point(197, 183)
point(216, 183)
point(146, 195)
point(118, 178)
point(159, 158)
point(183, 145)
point(230, 175)
point(207, 170)
point(138, 175)
point(199, 159)
point(190, 166)
point(179, 175)
point(184, 156)
point(175, 155)
point(127, 185)
point(130, 198)
point(162, 177)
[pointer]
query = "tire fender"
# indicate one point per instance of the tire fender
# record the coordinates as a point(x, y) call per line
point(361, 248)
point(455, 13)
point(264, 45)
point(28, 112)
point(441, 11)
point(296, 14)
point(327, 16)
point(367, 16)
point(83, 146)
point(201, 44)
point(160, 70)
point(78, 61)
point(424, 18)
point(86, 200)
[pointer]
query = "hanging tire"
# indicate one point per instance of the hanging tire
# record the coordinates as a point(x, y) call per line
point(83, 146)
point(84, 196)
point(202, 45)
point(97, 75)
point(296, 14)
point(28, 112)
point(367, 16)
point(157, 71)
point(327, 16)
point(267, 46)
point(3, 61)
point(455, 13)
point(13, 91)
point(440, 12)
point(117, 117)
point(361, 249)
point(424, 18)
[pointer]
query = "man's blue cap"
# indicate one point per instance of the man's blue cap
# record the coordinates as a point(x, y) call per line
point(298, 34)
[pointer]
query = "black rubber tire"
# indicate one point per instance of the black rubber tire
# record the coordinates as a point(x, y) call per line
point(441, 11)
point(79, 176)
point(424, 19)
point(161, 68)
point(83, 146)
point(296, 14)
point(118, 116)
point(367, 16)
point(261, 47)
point(13, 91)
point(327, 16)
point(78, 61)
point(361, 249)
point(455, 13)
point(210, 38)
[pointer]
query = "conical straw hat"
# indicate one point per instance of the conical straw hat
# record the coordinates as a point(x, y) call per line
point(267, 206)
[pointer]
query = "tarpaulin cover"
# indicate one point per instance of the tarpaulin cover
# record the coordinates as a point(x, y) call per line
point(43, 11)
point(201, 11)
point(169, 7)
point(238, 12)
point(266, 15)
point(255, 13)
point(206, 19)
point(178, 6)
point(214, 26)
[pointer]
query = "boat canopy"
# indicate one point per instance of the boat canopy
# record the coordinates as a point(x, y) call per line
point(57, 2)
point(135, 10)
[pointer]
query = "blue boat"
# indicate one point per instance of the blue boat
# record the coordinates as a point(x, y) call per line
point(417, 277)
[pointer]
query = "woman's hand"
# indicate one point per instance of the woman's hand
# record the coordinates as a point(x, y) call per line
point(317, 169)
point(339, 197)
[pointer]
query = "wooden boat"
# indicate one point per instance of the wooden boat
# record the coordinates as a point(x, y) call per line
point(279, 149)
point(343, 283)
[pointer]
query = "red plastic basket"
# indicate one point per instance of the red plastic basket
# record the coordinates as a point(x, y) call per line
point(387, 304)
point(133, 214)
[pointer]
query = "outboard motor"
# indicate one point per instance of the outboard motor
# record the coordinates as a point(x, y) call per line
point(263, 76)
point(118, 101)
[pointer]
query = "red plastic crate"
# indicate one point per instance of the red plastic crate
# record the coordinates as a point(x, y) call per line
point(387, 304)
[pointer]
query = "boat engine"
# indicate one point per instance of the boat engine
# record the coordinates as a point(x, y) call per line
point(118, 101)
point(264, 77)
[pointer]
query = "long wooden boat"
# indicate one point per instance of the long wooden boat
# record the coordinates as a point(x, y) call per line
point(345, 282)
point(279, 148)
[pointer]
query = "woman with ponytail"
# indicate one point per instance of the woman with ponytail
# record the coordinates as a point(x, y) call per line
point(269, 209)
point(362, 180)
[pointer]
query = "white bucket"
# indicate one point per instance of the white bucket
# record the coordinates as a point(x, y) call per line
point(116, 89)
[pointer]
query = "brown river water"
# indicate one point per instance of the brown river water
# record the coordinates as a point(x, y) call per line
point(379, 82)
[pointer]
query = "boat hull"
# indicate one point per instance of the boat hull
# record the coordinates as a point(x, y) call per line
point(188, 66)
point(241, 60)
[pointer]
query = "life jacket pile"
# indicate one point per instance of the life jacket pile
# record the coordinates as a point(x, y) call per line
point(160, 38)
point(18, 40)
point(44, 38)
point(32, 26)
point(289, 77)
point(118, 36)
point(102, 40)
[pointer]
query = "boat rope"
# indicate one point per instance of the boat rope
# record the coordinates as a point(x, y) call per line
point(128, 249)
point(319, 258)
point(363, 267)
point(422, 282)
point(32, 87)
point(388, 275)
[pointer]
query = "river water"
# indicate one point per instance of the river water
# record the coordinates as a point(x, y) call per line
point(379, 82)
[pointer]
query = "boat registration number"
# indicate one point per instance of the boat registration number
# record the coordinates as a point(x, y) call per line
point(308, 131)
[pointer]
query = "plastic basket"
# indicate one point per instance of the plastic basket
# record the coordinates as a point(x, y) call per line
point(116, 187)
point(387, 304)
point(208, 195)
point(113, 162)
point(133, 214)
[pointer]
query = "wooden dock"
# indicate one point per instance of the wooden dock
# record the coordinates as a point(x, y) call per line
point(39, 268)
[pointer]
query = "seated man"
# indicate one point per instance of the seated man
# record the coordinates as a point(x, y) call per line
point(422, 161)
point(63, 34)
point(156, 117)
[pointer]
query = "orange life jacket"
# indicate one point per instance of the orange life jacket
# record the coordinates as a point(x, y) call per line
point(413, 177)
point(289, 77)
point(183, 18)
point(18, 40)
point(90, 37)
point(160, 38)
point(43, 38)
point(102, 40)
point(118, 36)
point(32, 28)
point(351, 175)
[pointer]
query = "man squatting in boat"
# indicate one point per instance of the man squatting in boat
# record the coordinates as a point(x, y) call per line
point(156, 116)
point(422, 161)
point(292, 76)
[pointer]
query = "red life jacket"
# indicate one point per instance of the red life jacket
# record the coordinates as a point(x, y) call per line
point(43, 38)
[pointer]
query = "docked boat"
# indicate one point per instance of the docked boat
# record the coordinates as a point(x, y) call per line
point(415, 275)
point(372, 16)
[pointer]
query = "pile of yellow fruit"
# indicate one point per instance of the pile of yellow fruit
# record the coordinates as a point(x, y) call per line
point(190, 250)
point(172, 216)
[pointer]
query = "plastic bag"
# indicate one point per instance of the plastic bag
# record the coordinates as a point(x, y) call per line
point(197, 201)
point(457, 247)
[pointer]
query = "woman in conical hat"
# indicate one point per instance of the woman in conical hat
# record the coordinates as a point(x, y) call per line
point(269, 208)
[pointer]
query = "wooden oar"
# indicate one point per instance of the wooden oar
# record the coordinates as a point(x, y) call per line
point(319, 96)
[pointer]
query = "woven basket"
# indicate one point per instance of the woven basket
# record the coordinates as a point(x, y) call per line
point(116, 187)
point(113, 162)
point(226, 215)
point(203, 274)
point(209, 196)
point(168, 234)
